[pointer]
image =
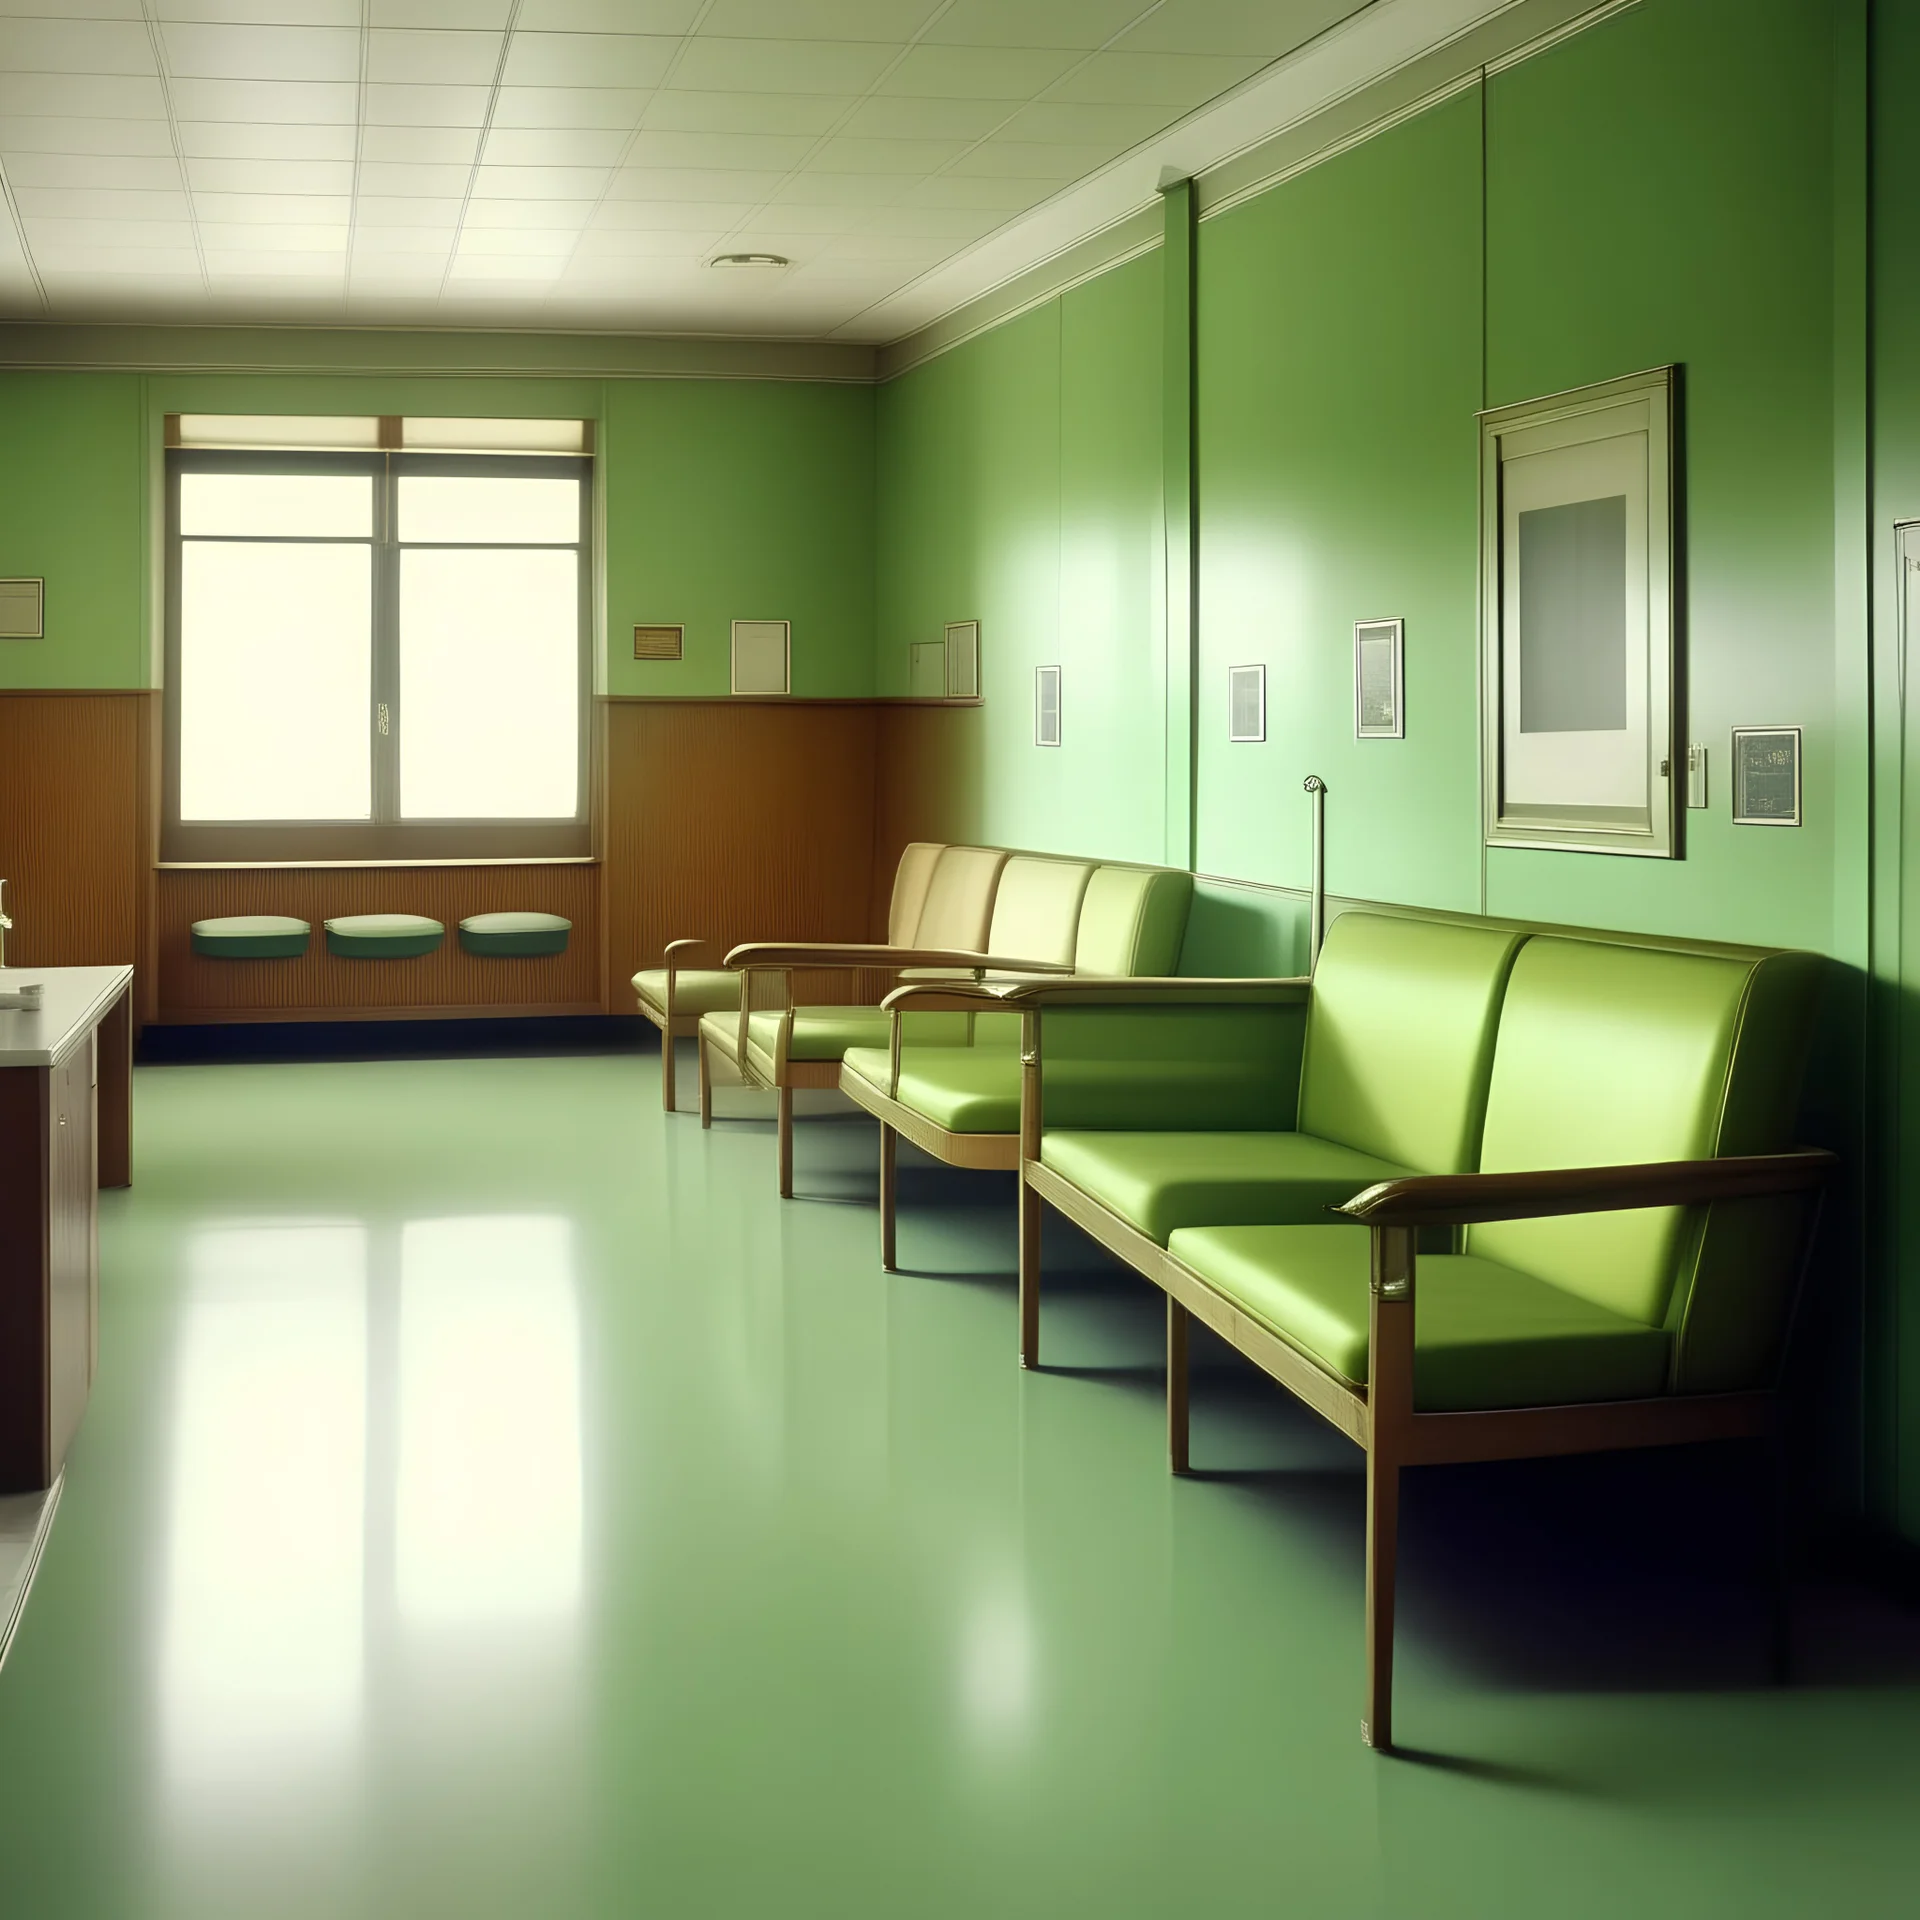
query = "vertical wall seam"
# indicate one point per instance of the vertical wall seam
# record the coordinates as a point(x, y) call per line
point(1479, 609)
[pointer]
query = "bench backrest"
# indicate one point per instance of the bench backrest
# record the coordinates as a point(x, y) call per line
point(910, 882)
point(1400, 1037)
point(1036, 909)
point(1615, 1055)
point(1132, 921)
point(958, 908)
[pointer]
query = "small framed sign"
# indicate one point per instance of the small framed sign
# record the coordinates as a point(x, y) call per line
point(1046, 706)
point(1766, 776)
point(1246, 705)
point(23, 609)
point(1378, 713)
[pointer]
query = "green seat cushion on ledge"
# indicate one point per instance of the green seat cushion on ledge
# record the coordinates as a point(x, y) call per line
point(251, 936)
point(383, 936)
point(1485, 1335)
point(695, 990)
point(514, 936)
point(1160, 1182)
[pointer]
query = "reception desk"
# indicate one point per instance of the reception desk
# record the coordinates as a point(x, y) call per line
point(66, 1081)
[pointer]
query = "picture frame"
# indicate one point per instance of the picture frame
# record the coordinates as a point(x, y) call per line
point(1766, 777)
point(762, 657)
point(1579, 651)
point(962, 640)
point(1046, 706)
point(1379, 710)
point(1246, 705)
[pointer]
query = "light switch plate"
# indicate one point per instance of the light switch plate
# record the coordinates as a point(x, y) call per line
point(1696, 774)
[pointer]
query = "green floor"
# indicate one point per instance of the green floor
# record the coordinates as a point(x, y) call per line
point(496, 1502)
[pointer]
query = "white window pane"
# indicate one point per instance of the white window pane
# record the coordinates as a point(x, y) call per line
point(311, 506)
point(276, 673)
point(489, 684)
point(487, 511)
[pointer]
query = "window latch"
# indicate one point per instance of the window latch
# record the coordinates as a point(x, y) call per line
point(386, 720)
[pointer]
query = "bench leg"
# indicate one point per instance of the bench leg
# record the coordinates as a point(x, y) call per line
point(1383, 1517)
point(1030, 1204)
point(786, 1142)
point(706, 1083)
point(1177, 1457)
point(667, 1063)
point(889, 1177)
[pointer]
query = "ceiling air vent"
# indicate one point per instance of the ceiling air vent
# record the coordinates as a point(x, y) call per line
point(1046, 706)
point(1246, 703)
point(749, 260)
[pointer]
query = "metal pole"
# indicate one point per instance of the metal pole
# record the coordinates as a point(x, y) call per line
point(1317, 920)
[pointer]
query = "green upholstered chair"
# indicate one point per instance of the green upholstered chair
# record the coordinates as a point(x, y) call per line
point(1634, 1226)
point(676, 998)
point(961, 1104)
point(983, 909)
point(514, 936)
point(383, 936)
point(251, 936)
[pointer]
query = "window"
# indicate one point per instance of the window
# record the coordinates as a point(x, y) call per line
point(376, 656)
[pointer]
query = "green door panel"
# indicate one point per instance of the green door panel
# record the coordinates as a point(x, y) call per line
point(1160, 1182)
point(1485, 1335)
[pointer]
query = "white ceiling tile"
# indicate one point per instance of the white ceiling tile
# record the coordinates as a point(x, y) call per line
point(781, 66)
point(259, 13)
point(641, 243)
point(848, 189)
point(270, 176)
point(141, 260)
point(27, 134)
point(749, 152)
point(608, 16)
point(891, 20)
point(976, 73)
point(417, 243)
point(441, 13)
point(555, 146)
point(618, 107)
point(542, 183)
point(668, 216)
point(811, 113)
point(885, 118)
point(75, 46)
point(300, 209)
point(495, 266)
point(589, 59)
point(806, 219)
point(528, 213)
point(1183, 81)
point(307, 102)
point(392, 210)
point(918, 249)
point(414, 181)
point(250, 140)
point(445, 58)
point(846, 155)
point(71, 9)
point(261, 53)
point(1008, 195)
point(405, 106)
point(223, 237)
point(1081, 25)
point(691, 184)
point(1023, 160)
point(428, 146)
point(93, 170)
point(1267, 28)
point(1075, 123)
point(100, 203)
point(43, 234)
point(77, 96)
point(555, 243)
point(261, 264)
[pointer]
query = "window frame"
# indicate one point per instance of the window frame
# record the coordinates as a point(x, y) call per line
point(385, 838)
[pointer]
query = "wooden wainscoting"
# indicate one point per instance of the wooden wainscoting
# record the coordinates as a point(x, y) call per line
point(927, 773)
point(727, 822)
point(317, 986)
point(76, 831)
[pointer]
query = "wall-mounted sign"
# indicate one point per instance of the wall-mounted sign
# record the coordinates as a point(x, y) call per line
point(762, 656)
point(963, 659)
point(1046, 706)
point(1246, 705)
point(1766, 776)
point(23, 609)
point(1378, 662)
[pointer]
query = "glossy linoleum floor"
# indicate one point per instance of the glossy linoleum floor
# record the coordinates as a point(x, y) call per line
point(496, 1502)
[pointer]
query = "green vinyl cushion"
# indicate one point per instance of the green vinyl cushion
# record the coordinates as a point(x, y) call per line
point(383, 936)
point(695, 990)
point(1485, 1335)
point(1400, 1036)
point(819, 1033)
point(514, 935)
point(251, 936)
point(1132, 921)
point(1160, 1182)
point(1036, 909)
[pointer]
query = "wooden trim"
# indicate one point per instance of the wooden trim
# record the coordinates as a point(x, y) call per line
point(301, 1016)
point(784, 700)
point(1528, 1433)
point(981, 1152)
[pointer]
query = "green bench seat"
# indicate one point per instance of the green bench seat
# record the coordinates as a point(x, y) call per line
point(383, 936)
point(514, 935)
point(251, 936)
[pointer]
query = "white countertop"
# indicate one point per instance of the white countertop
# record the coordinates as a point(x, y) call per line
point(76, 998)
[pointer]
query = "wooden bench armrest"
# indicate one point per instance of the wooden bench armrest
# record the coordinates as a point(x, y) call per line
point(943, 996)
point(1154, 990)
point(1464, 1199)
point(678, 946)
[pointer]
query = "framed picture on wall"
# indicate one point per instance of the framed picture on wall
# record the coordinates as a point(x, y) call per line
point(1578, 573)
point(962, 643)
point(1378, 661)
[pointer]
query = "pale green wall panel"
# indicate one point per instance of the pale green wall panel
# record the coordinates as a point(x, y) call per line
point(1659, 190)
point(740, 500)
point(71, 491)
point(1339, 374)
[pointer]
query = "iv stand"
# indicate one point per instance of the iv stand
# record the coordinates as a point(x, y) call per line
point(1317, 911)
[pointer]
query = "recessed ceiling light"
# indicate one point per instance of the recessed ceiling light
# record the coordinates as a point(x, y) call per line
point(750, 260)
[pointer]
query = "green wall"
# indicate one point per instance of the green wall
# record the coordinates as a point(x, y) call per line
point(1019, 485)
point(723, 499)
